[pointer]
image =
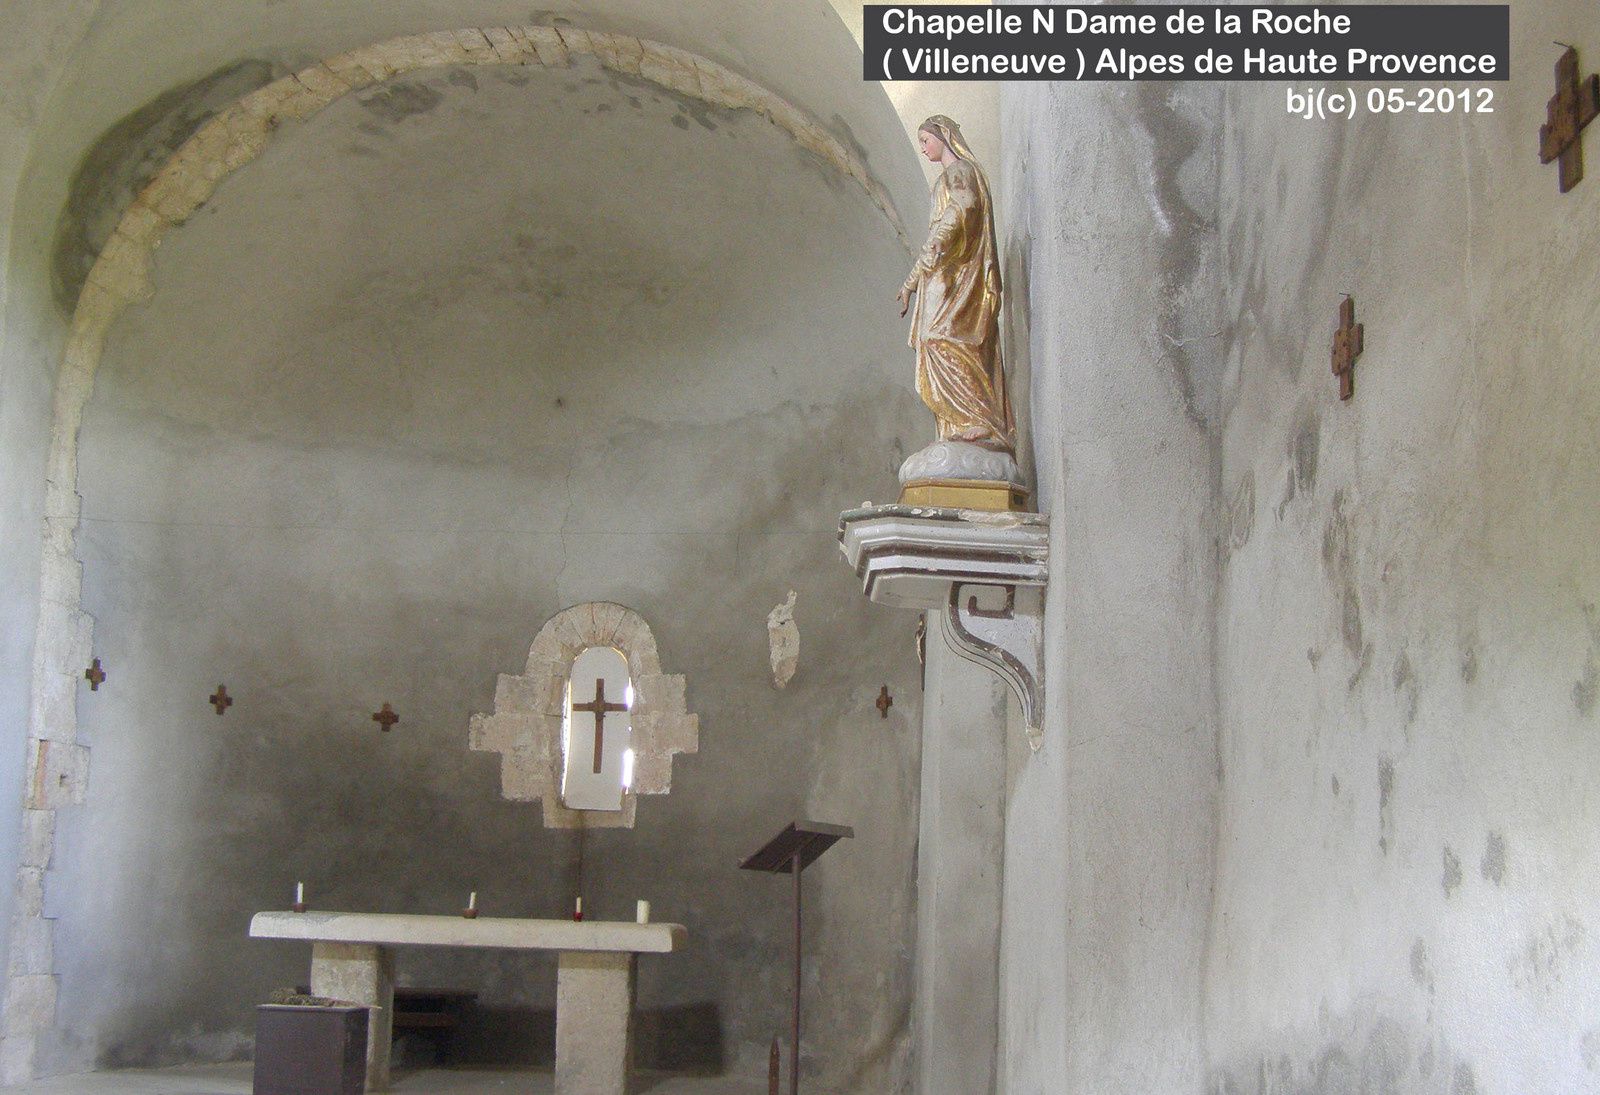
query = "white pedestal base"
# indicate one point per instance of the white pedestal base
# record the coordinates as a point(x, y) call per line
point(594, 1022)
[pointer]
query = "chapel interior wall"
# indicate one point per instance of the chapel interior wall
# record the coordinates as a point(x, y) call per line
point(1407, 629)
point(40, 39)
point(1111, 262)
point(269, 499)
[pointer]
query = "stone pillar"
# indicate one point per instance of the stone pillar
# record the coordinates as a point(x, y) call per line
point(362, 973)
point(961, 838)
point(594, 1022)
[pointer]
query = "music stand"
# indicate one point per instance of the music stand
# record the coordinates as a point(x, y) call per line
point(791, 852)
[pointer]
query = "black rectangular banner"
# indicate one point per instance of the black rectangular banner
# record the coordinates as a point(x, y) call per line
point(1388, 42)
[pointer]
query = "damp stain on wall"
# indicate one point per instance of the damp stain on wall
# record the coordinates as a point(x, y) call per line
point(124, 158)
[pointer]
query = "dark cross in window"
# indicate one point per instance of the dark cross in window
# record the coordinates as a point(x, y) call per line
point(1347, 342)
point(220, 699)
point(95, 676)
point(885, 701)
point(386, 718)
point(598, 709)
point(1574, 105)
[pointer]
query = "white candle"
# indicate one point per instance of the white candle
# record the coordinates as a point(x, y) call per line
point(299, 893)
point(472, 901)
point(644, 912)
point(578, 907)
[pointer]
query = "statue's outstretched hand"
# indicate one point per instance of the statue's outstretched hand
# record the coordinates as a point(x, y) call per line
point(904, 300)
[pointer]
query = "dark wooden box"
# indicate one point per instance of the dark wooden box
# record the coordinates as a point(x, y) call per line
point(310, 1051)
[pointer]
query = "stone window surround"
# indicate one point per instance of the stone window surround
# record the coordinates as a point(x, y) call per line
point(525, 728)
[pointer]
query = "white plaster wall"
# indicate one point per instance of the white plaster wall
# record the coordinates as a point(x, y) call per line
point(975, 104)
point(72, 70)
point(40, 40)
point(450, 355)
point(1408, 634)
point(1109, 827)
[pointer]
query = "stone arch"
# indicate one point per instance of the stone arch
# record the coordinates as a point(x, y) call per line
point(525, 728)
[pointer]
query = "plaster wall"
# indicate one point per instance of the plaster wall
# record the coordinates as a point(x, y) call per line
point(40, 40)
point(1408, 637)
point(458, 352)
point(1109, 264)
point(974, 104)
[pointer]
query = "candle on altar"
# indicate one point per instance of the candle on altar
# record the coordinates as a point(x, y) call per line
point(472, 900)
point(577, 909)
point(299, 893)
point(644, 912)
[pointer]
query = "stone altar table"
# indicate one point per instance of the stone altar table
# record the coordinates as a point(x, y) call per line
point(352, 958)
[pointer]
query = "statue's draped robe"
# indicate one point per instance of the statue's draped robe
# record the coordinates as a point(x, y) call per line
point(955, 328)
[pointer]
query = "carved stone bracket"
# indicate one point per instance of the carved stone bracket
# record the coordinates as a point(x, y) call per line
point(950, 560)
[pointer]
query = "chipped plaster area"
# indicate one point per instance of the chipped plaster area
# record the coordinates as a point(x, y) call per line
point(525, 728)
point(121, 276)
point(783, 642)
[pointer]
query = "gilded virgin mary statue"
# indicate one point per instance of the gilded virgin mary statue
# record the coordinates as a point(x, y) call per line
point(955, 330)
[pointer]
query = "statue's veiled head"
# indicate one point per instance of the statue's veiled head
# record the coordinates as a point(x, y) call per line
point(939, 133)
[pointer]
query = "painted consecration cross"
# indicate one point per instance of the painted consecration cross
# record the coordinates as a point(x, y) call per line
point(386, 718)
point(221, 700)
point(95, 676)
point(885, 701)
point(1574, 105)
point(1347, 342)
point(598, 709)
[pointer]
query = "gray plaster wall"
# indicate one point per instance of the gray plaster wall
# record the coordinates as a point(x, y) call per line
point(1110, 264)
point(1407, 630)
point(39, 41)
point(456, 353)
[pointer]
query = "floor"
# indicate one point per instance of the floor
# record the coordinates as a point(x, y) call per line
point(235, 1080)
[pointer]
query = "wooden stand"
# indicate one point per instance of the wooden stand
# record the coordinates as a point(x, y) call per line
point(791, 852)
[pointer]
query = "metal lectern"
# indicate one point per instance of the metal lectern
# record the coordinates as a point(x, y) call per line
point(791, 852)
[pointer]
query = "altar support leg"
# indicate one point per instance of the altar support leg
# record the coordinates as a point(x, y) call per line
point(594, 1022)
point(362, 973)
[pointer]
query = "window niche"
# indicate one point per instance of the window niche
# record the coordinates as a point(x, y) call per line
point(592, 667)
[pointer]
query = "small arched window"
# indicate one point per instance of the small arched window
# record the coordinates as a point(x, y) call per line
point(597, 731)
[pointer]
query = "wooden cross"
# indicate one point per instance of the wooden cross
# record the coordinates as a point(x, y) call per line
point(598, 709)
point(885, 701)
point(1574, 105)
point(1347, 342)
point(220, 699)
point(386, 718)
point(95, 676)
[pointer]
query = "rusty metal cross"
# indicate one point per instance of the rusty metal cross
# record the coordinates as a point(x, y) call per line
point(386, 718)
point(1347, 343)
point(220, 699)
point(95, 676)
point(598, 709)
point(1574, 105)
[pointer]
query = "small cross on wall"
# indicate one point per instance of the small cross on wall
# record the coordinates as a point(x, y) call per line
point(1574, 105)
point(1347, 343)
point(95, 676)
point(221, 700)
point(386, 718)
point(885, 701)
